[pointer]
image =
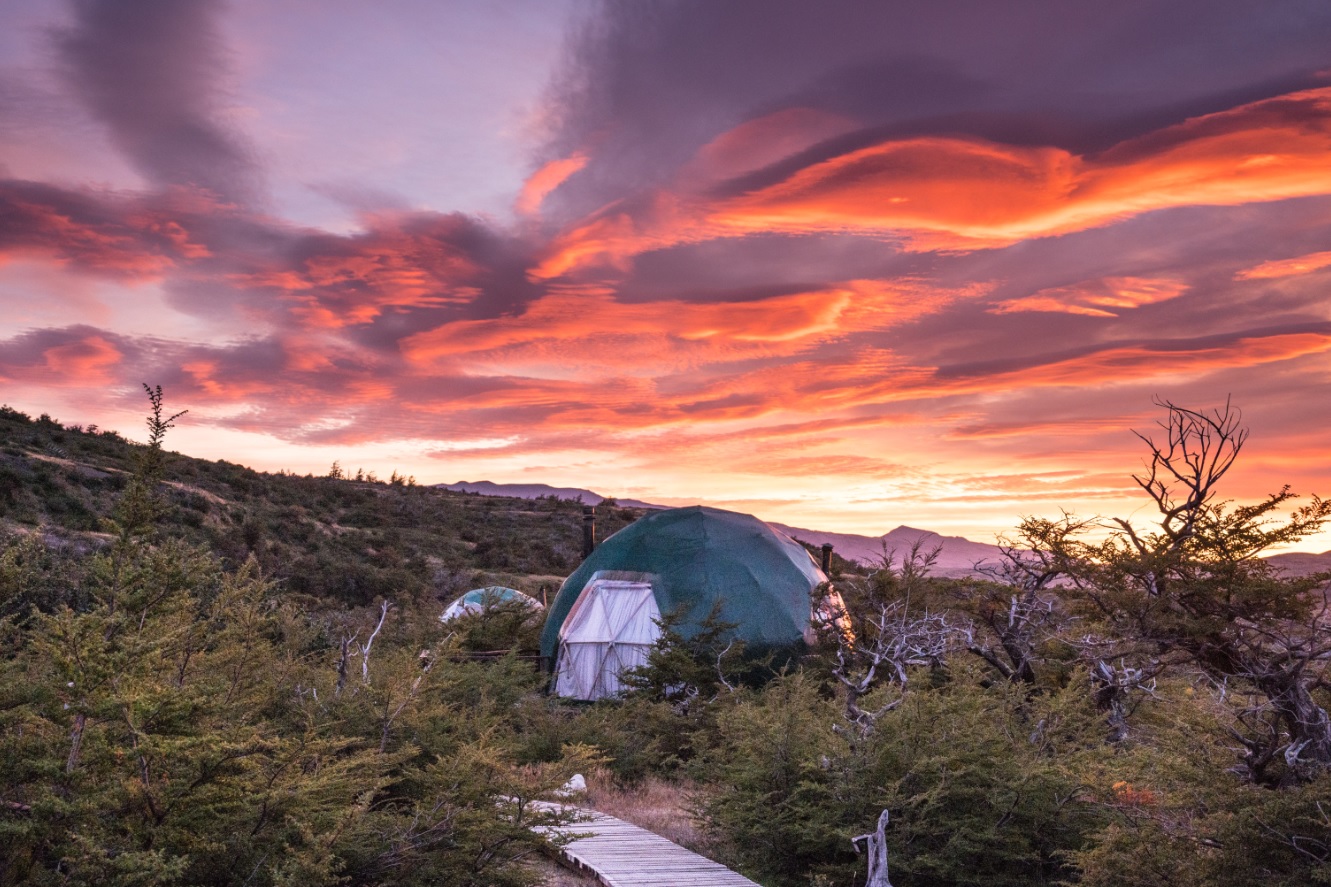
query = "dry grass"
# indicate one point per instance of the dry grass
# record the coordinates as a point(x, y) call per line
point(656, 805)
point(555, 875)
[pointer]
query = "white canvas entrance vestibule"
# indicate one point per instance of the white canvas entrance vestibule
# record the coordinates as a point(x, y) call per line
point(610, 629)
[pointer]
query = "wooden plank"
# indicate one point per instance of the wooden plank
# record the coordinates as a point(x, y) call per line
point(620, 854)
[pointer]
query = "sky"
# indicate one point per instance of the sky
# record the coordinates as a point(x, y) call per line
point(841, 265)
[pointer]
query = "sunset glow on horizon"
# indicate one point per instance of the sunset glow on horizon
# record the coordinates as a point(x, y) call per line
point(844, 266)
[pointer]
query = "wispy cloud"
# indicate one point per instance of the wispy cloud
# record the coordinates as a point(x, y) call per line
point(1294, 267)
point(153, 72)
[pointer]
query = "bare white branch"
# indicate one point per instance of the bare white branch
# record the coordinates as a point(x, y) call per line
point(384, 607)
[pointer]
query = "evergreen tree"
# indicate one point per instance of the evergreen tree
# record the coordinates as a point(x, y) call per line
point(175, 723)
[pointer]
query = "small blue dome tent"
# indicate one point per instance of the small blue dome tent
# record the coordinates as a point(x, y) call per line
point(480, 599)
point(685, 561)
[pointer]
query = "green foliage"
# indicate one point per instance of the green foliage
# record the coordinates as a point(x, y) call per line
point(501, 625)
point(34, 578)
point(783, 805)
point(1177, 818)
point(986, 787)
point(982, 784)
point(140, 505)
point(679, 669)
point(1191, 593)
point(175, 722)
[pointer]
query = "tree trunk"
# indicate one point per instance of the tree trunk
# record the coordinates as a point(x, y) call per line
point(876, 850)
point(75, 742)
point(1309, 726)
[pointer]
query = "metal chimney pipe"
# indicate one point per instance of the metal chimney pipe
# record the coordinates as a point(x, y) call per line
point(588, 530)
point(827, 558)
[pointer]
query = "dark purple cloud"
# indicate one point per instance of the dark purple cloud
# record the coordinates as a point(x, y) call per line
point(648, 84)
point(152, 71)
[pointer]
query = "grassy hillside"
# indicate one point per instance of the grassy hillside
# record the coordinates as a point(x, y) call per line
point(341, 541)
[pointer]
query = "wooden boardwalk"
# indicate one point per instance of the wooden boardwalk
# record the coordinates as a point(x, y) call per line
point(619, 854)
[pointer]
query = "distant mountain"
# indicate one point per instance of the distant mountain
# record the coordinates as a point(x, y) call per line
point(957, 556)
point(1298, 563)
point(537, 491)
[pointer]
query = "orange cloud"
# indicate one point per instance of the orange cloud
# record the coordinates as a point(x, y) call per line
point(872, 376)
point(175, 234)
point(107, 248)
point(1287, 267)
point(616, 234)
point(1186, 358)
point(969, 189)
point(1146, 362)
point(213, 380)
point(363, 278)
point(966, 192)
point(575, 331)
point(541, 183)
point(1026, 429)
point(1096, 298)
point(947, 192)
point(757, 143)
point(621, 396)
point(87, 361)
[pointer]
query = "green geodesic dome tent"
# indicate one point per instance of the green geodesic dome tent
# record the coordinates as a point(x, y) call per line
point(680, 560)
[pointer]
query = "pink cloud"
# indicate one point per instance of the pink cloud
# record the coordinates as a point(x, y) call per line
point(546, 179)
point(762, 141)
point(76, 357)
point(1105, 297)
point(1294, 267)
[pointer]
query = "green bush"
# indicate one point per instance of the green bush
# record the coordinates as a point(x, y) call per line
point(982, 785)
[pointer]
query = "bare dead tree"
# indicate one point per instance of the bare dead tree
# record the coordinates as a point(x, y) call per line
point(721, 668)
point(76, 742)
point(343, 661)
point(1014, 624)
point(1287, 663)
point(899, 640)
point(1119, 689)
point(875, 846)
point(887, 637)
point(1193, 593)
point(1182, 473)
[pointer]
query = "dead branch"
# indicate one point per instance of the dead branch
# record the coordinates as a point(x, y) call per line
point(875, 845)
point(75, 742)
point(1120, 689)
point(342, 662)
point(896, 641)
point(720, 667)
point(384, 607)
point(1182, 473)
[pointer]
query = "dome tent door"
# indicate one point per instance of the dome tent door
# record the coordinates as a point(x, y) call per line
point(610, 629)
